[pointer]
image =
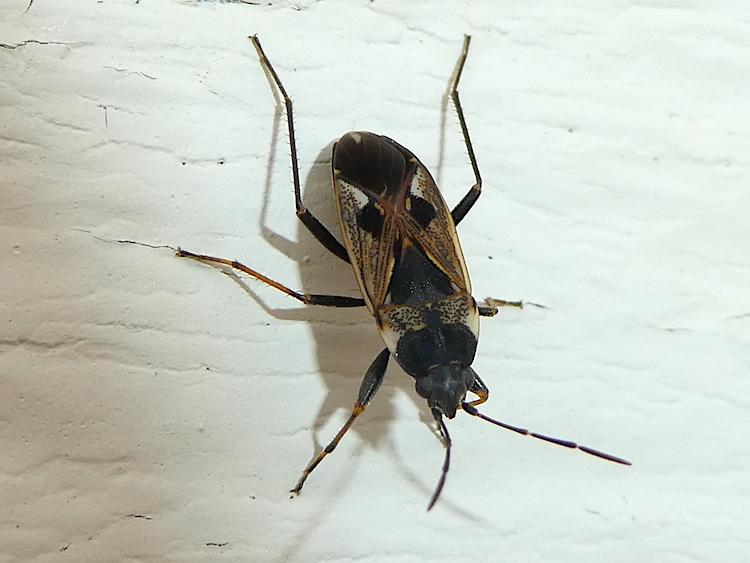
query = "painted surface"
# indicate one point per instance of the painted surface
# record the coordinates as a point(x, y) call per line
point(156, 410)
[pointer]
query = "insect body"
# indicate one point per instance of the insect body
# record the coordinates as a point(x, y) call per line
point(400, 238)
point(402, 244)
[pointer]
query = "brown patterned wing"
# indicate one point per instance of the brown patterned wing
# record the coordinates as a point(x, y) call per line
point(427, 221)
point(387, 200)
point(368, 172)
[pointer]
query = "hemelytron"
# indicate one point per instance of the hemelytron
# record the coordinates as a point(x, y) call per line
point(400, 238)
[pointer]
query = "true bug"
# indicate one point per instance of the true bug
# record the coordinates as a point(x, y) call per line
point(400, 238)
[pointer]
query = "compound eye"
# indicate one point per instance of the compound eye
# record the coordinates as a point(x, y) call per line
point(424, 387)
point(469, 377)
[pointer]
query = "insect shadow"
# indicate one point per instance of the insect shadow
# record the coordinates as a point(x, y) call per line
point(425, 311)
point(344, 337)
point(345, 341)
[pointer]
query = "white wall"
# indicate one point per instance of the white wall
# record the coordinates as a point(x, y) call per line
point(152, 408)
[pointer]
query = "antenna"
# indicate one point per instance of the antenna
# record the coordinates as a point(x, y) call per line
point(524, 432)
point(446, 463)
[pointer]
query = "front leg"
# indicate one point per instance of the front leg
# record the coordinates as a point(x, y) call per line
point(480, 390)
point(370, 384)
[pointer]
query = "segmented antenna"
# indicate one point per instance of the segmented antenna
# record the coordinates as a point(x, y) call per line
point(446, 463)
point(524, 432)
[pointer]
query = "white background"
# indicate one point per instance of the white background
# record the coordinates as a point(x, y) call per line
point(155, 410)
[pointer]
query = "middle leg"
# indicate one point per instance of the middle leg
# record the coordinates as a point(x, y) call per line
point(492, 306)
point(306, 298)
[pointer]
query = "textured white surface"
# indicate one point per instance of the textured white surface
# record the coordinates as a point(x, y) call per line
point(153, 410)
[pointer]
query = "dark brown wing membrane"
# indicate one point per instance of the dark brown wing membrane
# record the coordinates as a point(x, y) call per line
point(387, 199)
point(369, 162)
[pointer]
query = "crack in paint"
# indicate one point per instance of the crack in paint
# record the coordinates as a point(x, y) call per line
point(127, 241)
point(30, 41)
point(136, 72)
